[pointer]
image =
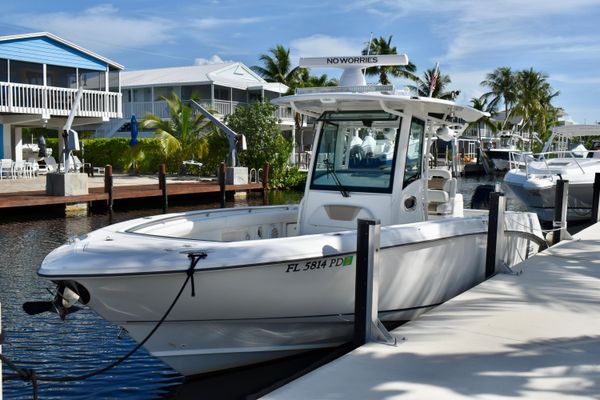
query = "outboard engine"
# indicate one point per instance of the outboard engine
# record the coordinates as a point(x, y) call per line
point(481, 197)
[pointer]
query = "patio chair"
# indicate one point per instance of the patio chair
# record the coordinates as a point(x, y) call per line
point(19, 169)
point(5, 168)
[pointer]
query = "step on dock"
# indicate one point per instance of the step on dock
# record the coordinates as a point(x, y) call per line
point(530, 336)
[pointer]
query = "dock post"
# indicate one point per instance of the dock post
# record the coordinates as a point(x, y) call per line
point(367, 327)
point(495, 237)
point(162, 185)
point(222, 172)
point(596, 199)
point(560, 211)
point(265, 182)
point(108, 185)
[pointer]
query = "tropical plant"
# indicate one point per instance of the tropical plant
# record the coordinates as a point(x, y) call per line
point(502, 85)
point(423, 84)
point(482, 104)
point(534, 97)
point(182, 136)
point(381, 46)
point(264, 138)
point(277, 66)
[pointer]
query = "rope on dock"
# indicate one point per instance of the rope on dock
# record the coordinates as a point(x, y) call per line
point(29, 375)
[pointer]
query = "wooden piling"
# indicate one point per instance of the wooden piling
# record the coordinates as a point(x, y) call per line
point(265, 182)
point(109, 185)
point(222, 172)
point(162, 185)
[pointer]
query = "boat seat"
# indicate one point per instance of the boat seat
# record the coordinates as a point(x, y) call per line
point(441, 191)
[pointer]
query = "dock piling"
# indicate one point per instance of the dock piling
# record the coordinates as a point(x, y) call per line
point(162, 185)
point(108, 185)
point(495, 237)
point(266, 172)
point(222, 172)
point(596, 199)
point(367, 327)
point(560, 211)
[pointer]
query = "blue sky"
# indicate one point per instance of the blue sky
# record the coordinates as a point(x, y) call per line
point(469, 38)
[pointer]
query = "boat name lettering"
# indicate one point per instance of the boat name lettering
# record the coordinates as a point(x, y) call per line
point(351, 60)
point(320, 264)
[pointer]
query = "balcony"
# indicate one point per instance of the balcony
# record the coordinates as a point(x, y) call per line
point(48, 101)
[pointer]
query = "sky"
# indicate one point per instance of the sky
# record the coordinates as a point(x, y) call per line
point(469, 38)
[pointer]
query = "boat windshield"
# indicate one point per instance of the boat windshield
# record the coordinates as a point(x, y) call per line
point(356, 151)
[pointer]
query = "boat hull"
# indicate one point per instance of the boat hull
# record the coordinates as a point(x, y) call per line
point(252, 313)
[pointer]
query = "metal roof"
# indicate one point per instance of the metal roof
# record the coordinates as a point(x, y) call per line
point(63, 41)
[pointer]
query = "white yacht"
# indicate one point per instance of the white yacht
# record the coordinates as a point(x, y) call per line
point(501, 148)
point(533, 176)
point(277, 280)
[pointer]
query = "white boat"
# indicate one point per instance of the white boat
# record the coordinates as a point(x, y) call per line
point(501, 148)
point(533, 177)
point(279, 280)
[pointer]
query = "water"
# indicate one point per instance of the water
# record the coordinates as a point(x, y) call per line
point(85, 342)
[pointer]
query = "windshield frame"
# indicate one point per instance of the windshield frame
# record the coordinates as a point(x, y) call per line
point(317, 173)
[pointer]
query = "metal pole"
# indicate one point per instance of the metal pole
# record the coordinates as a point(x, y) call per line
point(162, 184)
point(596, 199)
point(495, 238)
point(222, 171)
point(560, 211)
point(366, 291)
point(108, 185)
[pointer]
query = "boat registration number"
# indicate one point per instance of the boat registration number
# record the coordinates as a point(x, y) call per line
point(325, 263)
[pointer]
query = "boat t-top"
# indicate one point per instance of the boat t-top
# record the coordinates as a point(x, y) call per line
point(272, 281)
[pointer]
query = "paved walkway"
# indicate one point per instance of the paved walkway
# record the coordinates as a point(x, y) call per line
point(529, 336)
point(39, 182)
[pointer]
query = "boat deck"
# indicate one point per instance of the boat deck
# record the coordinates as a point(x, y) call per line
point(530, 336)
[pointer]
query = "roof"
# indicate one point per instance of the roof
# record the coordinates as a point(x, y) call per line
point(230, 74)
point(63, 41)
point(570, 131)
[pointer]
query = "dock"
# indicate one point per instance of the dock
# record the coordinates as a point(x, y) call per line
point(18, 194)
point(531, 335)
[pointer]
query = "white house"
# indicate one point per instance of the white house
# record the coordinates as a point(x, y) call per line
point(221, 86)
point(40, 74)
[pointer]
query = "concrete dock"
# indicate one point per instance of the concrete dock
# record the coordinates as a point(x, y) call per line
point(530, 336)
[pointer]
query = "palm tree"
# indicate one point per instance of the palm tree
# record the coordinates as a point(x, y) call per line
point(182, 136)
point(380, 46)
point(534, 97)
point(423, 84)
point(487, 121)
point(503, 86)
point(277, 66)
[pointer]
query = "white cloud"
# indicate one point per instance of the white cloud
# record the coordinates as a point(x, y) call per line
point(215, 59)
point(210, 23)
point(101, 27)
point(324, 45)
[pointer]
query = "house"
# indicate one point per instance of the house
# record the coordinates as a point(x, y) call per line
point(40, 74)
point(221, 86)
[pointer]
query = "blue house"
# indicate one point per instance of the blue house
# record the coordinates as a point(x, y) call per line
point(40, 74)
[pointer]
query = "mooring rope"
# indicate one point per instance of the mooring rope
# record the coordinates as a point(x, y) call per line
point(29, 375)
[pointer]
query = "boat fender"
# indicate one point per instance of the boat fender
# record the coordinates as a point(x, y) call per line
point(481, 197)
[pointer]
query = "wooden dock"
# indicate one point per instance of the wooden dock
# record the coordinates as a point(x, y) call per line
point(97, 194)
point(535, 335)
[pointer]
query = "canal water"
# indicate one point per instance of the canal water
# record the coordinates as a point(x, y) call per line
point(85, 342)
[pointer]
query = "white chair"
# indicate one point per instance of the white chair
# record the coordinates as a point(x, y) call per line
point(33, 167)
point(5, 168)
point(51, 164)
point(441, 191)
point(18, 169)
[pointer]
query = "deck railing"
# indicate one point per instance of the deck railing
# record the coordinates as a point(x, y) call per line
point(48, 100)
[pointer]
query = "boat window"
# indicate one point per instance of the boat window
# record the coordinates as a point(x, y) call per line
point(356, 151)
point(414, 152)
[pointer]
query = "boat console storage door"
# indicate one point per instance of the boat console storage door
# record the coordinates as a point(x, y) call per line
point(360, 171)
